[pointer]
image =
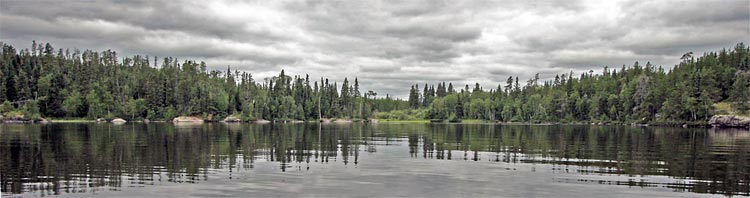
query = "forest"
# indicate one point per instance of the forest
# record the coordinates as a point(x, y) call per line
point(687, 93)
point(44, 82)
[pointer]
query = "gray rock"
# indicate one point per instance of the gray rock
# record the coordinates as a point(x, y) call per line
point(118, 121)
point(261, 121)
point(730, 121)
point(232, 119)
point(187, 119)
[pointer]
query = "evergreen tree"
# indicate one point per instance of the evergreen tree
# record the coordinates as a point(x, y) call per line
point(741, 91)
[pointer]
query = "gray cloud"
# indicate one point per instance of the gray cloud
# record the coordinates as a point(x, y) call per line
point(388, 44)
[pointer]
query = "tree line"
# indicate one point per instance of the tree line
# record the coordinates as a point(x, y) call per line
point(635, 94)
point(56, 83)
point(48, 82)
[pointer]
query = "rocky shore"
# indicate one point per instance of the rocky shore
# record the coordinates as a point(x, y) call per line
point(730, 121)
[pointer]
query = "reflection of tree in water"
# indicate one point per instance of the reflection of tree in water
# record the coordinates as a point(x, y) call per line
point(68, 158)
point(714, 162)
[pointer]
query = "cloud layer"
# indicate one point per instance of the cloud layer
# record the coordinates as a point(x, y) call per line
point(388, 44)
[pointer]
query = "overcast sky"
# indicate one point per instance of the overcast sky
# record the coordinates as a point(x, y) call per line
point(388, 44)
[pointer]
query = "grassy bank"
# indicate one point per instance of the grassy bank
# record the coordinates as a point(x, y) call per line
point(475, 121)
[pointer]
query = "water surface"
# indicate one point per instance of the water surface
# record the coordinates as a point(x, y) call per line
point(370, 160)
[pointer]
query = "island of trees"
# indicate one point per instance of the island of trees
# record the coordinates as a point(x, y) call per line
point(44, 82)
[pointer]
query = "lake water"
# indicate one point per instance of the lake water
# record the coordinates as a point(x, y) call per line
point(370, 160)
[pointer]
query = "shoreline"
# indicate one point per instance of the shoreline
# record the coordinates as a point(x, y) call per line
point(710, 124)
point(702, 125)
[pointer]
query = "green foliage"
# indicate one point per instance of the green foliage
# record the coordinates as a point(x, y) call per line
point(740, 95)
point(31, 111)
point(6, 107)
point(408, 114)
point(97, 108)
point(219, 101)
point(74, 105)
point(136, 108)
point(170, 113)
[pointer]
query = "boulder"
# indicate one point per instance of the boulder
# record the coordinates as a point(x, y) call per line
point(343, 121)
point(187, 119)
point(730, 121)
point(232, 119)
point(261, 121)
point(118, 121)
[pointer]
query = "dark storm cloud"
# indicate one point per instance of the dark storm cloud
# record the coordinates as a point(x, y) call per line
point(685, 26)
point(677, 14)
point(177, 16)
point(388, 45)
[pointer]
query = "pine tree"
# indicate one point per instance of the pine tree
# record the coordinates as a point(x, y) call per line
point(741, 92)
point(509, 84)
point(413, 97)
point(356, 92)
